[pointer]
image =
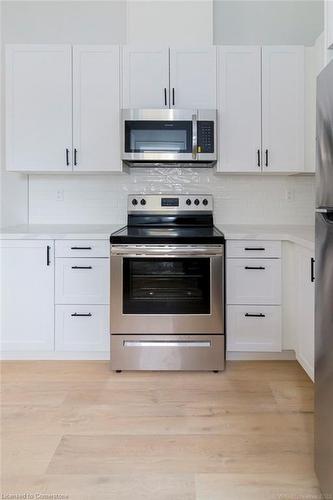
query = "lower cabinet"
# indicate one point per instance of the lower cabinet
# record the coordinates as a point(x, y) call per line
point(27, 295)
point(82, 328)
point(305, 310)
point(254, 328)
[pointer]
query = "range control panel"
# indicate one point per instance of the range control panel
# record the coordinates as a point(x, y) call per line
point(170, 203)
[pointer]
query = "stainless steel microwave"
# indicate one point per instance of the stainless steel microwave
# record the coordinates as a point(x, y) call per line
point(169, 137)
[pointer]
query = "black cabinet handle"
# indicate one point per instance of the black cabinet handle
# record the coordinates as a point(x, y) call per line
point(165, 96)
point(250, 315)
point(173, 96)
point(81, 248)
point(266, 158)
point(81, 267)
point(312, 269)
point(258, 156)
point(48, 260)
point(67, 157)
point(255, 249)
point(261, 268)
point(75, 156)
point(81, 314)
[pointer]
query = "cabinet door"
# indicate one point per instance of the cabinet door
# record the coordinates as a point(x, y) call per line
point(27, 288)
point(82, 281)
point(193, 78)
point(145, 77)
point(254, 281)
point(38, 107)
point(283, 108)
point(96, 106)
point(239, 107)
point(82, 328)
point(305, 311)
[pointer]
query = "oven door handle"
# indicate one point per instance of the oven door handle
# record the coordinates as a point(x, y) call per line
point(194, 136)
point(167, 252)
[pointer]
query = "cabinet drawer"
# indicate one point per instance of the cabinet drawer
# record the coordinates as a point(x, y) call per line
point(82, 281)
point(82, 248)
point(253, 281)
point(253, 249)
point(254, 328)
point(82, 328)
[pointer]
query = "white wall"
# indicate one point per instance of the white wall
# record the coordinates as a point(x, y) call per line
point(262, 22)
point(170, 22)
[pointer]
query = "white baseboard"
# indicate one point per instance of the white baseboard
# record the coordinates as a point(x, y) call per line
point(56, 356)
point(257, 356)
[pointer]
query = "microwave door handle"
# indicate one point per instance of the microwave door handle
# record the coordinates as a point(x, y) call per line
point(194, 136)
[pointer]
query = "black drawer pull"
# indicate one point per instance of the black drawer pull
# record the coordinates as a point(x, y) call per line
point(266, 158)
point(250, 315)
point(165, 97)
point(260, 268)
point(81, 267)
point(48, 260)
point(256, 249)
point(81, 314)
point(81, 248)
point(312, 269)
point(258, 157)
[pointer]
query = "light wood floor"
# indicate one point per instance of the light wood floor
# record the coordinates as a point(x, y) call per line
point(77, 429)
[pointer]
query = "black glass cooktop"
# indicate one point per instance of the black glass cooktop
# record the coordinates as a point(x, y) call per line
point(174, 235)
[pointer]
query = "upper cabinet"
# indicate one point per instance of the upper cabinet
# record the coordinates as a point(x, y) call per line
point(38, 107)
point(193, 78)
point(261, 109)
point(283, 108)
point(239, 104)
point(96, 112)
point(169, 78)
point(145, 77)
point(62, 108)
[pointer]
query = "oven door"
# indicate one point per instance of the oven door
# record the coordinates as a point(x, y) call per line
point(164, 289)
point(159, 135)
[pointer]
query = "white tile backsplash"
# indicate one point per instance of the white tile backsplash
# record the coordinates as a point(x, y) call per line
point(238, 199)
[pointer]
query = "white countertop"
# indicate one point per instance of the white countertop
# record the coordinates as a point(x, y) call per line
point(302, 235)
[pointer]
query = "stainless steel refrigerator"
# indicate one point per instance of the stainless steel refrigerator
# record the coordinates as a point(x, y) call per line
point(324, 284)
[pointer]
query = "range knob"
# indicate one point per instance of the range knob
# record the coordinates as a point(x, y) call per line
point(188, 201)
point(143, 201)
point(196, 202)
point(134, 201)
point(205, 202)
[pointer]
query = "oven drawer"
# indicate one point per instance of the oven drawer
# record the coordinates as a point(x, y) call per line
point(167, 352)
point(82, 281)
point(82, 248)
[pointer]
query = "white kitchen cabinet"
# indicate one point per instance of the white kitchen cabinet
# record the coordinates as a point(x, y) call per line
point(145, 77)
point(96, 114)
point(82, 328)
point(38, 108)
point(82, 281)
point(254, 328)
point(193, 78)
point(82, 248)
point(239, 105)
point(254, 281)
point(27, 285)
point(283, 108)
point(305, 310)
point(253, 249)
point(261, 109)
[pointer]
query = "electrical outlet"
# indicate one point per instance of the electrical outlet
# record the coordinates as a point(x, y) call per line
point(290, 194)
point(60, 195)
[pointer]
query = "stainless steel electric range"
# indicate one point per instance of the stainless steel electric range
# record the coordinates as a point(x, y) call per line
point(167, 293)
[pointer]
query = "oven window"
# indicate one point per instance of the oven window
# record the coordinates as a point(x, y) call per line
point(166, 286)
point(158, 136)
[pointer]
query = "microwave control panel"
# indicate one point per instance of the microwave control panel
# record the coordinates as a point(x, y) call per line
point(205, 136)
